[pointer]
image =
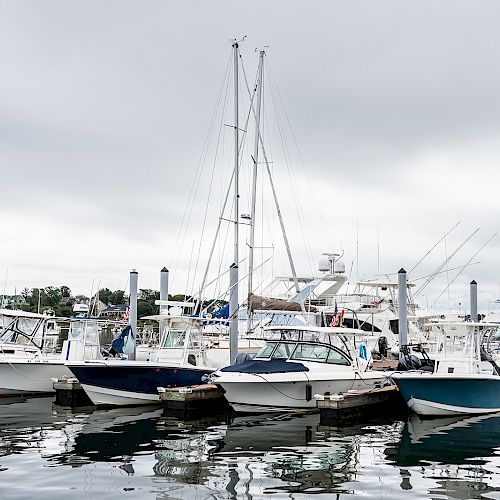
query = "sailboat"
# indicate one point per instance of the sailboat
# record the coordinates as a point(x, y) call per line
point(185, 355)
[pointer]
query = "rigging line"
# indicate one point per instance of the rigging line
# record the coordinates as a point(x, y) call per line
point(210, 185)
point(468, 262)
point(447, 270)
point(291, 173)
point(189, 272)
point(434, 246)
point(221, 218)
point(239, 281)
point(424, 285)
point(226, 199)
point(286, 154)
point(278, 210)
point(225, 79)
point(308, 176)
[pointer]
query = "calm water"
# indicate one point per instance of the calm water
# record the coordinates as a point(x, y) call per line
point(47, 453)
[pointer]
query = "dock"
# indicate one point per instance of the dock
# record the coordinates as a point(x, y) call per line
point(192, 400)
point(69, 392)
point(338, 409)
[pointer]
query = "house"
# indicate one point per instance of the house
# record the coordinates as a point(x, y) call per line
point(119, 311)
point(13, 301)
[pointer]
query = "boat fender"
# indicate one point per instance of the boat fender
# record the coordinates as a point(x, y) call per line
point(309, 392)
point(362, 352)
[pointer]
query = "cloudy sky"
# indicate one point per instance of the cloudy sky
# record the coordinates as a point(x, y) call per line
point(390, 117)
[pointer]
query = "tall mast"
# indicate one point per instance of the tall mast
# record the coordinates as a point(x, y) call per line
point(234, 274)
point(236, 155)
point(254, 183)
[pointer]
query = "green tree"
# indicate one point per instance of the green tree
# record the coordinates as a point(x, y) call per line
point(117, 297)
point(105, 295)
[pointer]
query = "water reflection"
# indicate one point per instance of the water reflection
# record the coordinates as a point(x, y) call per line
point(459, 454)
point(139, 451)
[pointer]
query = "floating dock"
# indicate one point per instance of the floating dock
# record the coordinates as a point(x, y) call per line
point(192, 400)
point(69, 392)
point(337, 409)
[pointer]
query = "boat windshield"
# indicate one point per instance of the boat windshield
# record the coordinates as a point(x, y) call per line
point(303, 352)
point(175, 338)
point(319, 353)
point(22, 331)
point(266, 350)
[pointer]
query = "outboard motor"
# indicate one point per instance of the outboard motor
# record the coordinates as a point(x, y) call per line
point(241, 357)
point(409, 362)
point(383, 346)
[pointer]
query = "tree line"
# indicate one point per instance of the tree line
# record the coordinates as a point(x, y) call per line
point(61, 301)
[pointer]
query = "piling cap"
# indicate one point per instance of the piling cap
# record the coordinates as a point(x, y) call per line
point(133, 271)
point(232, 266)
point(164, 270)
point(473, 282)
point(401, 271)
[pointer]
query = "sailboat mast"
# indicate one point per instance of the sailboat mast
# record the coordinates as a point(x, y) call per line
point(254, 183)
point(236, 155)
point(234, 273)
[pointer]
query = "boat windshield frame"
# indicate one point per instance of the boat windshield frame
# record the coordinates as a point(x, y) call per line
point(290, 353)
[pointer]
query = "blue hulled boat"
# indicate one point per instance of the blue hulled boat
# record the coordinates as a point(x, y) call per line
point(182, 359)
point(465, 380)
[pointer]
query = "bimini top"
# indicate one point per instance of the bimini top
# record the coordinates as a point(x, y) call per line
point(328, 330)
point(463, 327)
point(23, 314)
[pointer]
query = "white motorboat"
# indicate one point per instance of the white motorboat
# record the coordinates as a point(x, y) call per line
point(28, 358)
point(295, 363)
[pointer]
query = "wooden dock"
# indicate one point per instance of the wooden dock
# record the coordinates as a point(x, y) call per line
point(337, 409)
point(69, 392)
point(192, 400)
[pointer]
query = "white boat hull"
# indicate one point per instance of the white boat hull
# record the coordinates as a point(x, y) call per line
point(263, 397)
point(103, 396)
point(29, 376)
point(432, 409)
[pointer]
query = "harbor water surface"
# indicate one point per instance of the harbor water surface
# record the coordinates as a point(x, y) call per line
point(48, 452)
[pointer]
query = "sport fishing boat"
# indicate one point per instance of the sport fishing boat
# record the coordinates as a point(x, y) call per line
point(465, 379)
point(295, 363)
point(185, 355)
point(29, 357)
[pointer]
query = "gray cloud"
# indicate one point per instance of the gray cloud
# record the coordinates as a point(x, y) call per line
point(104, 107)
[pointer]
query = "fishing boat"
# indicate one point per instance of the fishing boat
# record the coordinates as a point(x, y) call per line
point(295, 363)
point(30, 356)
point(465, 379)
point(185, 355)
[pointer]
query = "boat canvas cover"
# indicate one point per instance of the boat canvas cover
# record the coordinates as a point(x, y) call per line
point(263, 366)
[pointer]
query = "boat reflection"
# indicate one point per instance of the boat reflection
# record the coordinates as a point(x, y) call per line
point(458, 454)
point(252, 456)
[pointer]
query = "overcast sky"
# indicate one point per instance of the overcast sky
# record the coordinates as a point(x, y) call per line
point(105, 106)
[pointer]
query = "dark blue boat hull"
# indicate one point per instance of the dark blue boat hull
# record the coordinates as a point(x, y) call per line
point(141, 381)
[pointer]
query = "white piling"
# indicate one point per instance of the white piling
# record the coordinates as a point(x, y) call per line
point(473, 301)
point(403, 314)
point(133, 307)
point(163, 295)
point(233, 313)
